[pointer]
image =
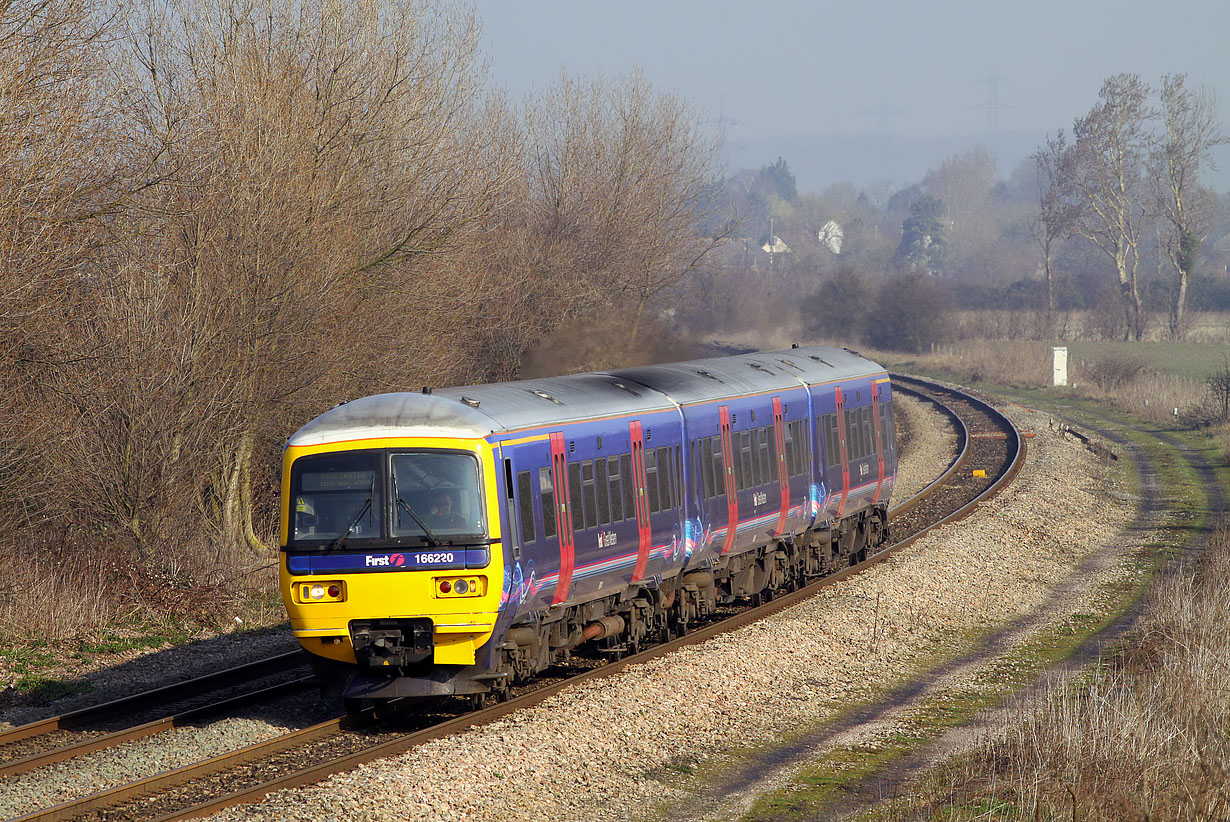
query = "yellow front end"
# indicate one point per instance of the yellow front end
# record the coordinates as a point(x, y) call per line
point(321, 606)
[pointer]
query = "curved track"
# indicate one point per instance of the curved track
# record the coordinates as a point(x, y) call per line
point(987, 443)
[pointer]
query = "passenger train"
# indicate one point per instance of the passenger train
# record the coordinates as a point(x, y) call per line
point(457, 541)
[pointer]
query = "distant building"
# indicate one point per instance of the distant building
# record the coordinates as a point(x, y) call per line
point(831, 236)
point(776, 246)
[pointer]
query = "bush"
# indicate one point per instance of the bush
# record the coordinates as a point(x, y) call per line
point(910, 314)
point(1114, 370)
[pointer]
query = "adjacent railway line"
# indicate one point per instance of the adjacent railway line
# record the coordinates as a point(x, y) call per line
point(989, 452)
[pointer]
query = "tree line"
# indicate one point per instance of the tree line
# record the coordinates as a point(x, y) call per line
point(218, 218)
point(1096, 234)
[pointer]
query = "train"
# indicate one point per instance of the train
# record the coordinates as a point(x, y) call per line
point(456, 542)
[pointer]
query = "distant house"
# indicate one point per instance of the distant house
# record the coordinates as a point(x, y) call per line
point(831, 235)
point(776, 246)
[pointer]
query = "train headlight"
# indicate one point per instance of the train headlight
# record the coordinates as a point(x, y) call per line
point(460, 586)
point(310, 592)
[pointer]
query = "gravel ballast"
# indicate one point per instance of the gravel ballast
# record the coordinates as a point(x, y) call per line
point(618, 748)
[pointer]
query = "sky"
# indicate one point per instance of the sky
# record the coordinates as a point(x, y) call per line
point(877, 90)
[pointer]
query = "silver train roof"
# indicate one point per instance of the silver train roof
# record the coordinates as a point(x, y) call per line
point(480, 410)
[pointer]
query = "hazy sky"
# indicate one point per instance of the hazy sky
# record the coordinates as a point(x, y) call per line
point(778, 70)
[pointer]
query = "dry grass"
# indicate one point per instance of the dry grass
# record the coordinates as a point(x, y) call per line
point(69, 588)
point(1142, 738)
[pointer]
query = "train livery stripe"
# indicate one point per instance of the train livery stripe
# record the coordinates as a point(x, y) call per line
point(637, 436)
point(732, 499)
point(783, 469)
point(567, 549)
point(875, 421)
point(845, 461)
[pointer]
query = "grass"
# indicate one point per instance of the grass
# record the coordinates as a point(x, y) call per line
point(838, 771)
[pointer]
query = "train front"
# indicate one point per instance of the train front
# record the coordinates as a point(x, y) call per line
point(391, 564)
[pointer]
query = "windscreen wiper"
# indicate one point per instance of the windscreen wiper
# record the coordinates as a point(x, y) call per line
point(432, 539)
point(337, 543)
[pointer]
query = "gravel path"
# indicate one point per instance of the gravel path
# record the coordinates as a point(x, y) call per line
point(627, 747)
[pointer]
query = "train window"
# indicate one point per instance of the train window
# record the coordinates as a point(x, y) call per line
point(792, 449)
point(574, 496)
point(629, 481)
point(706, 459)
point(617, 494)
point(339, 495)
point(869, 434)
point(525, 501)
point(834, 435)
point(601, 487)
point(753, 476)
point(677, 477)
point(767, 447)
point(854, 448)
point(651, 480)
point(736, 458)
point(589, 489)
point(666, 483)
point(800, 449)
point(775, 458)
point(719, 468)
point(547, 490)
point(745, 459)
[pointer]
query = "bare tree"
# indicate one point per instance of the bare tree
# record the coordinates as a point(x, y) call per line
point(1056, 213)
point(1104, 173)
point(1190, 130)
point(619, 179)
point(316, 156)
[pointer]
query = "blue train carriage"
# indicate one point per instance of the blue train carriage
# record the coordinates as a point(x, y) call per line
point(453, 543)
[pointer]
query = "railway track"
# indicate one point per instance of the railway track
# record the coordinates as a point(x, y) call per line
point(990, 451)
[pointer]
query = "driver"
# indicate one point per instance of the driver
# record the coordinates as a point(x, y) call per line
point(443, 514)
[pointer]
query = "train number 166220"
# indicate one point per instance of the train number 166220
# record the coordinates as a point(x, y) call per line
point(441, 558)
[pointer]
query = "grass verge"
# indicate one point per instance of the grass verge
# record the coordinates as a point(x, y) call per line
point(844, 768)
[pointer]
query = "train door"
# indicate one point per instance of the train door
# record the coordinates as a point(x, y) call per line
point(783, 470)
point(728, 479)
point(842, 450)
point(563, 506)
point(875, 421)
point(643, 530)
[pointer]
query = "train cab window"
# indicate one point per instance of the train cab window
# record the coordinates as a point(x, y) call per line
point(600, 486)
point(333, 492)
point(575, 496)
point(588, 490)
point(616, 489)
point(547, 490)
point(525, 502)
point(651, 480)
point(442, 489)
point(625, 471)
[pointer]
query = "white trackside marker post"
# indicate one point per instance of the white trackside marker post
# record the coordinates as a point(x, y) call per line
point(1059, 368)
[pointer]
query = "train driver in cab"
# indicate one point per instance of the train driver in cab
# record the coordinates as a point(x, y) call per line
point(443, 513)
